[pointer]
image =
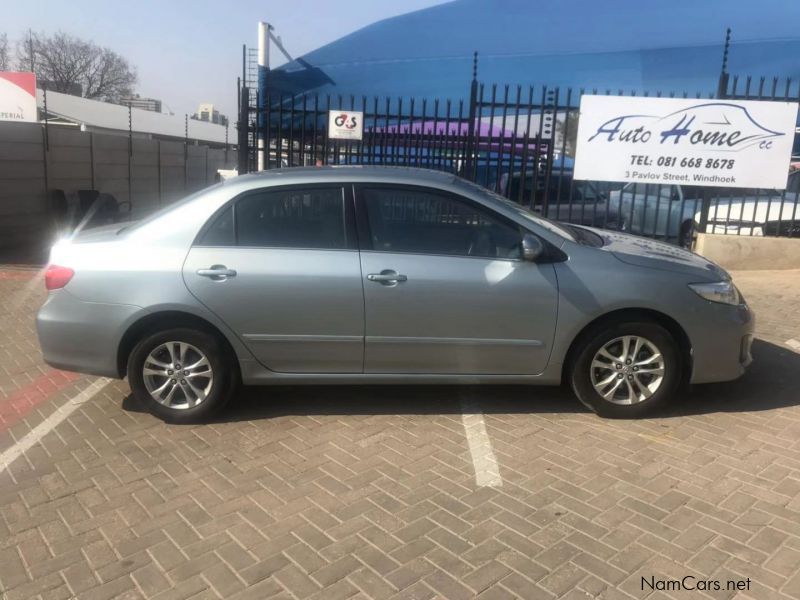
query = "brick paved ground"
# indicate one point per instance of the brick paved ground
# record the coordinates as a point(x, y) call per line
point(370, 492)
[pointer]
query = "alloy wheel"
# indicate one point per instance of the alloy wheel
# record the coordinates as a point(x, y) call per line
point(177, 375)
point(627, 370)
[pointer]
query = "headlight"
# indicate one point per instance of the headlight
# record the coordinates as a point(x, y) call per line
point(723, 292)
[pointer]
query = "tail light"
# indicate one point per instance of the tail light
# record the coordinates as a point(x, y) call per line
point(57, 277)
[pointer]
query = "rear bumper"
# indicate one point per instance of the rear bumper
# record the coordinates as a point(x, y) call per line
point(82, 336)
point(722, 343)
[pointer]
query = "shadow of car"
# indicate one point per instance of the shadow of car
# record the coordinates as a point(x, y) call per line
point(766, 386)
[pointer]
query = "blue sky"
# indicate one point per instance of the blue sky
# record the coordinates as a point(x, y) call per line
point(187, 52)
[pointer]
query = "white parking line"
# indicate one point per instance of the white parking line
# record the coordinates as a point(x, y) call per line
point(793, 344)
point(42, 429)
point(487, 473)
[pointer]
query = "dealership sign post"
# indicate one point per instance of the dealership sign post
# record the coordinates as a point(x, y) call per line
point(345, 125)
point(730, 143)
point(17, 97)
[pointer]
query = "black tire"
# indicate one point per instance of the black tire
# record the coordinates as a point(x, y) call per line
point(580, 373)
point(222, 386)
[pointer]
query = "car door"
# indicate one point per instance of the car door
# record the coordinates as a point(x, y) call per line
point(445, 290)
point(280, 266)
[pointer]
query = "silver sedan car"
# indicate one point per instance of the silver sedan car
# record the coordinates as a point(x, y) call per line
point(346, 275)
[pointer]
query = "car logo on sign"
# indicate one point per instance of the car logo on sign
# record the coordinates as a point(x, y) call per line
point(712, 126)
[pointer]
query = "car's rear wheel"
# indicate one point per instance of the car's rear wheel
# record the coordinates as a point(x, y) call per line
point(181, 375)
point(626, 369)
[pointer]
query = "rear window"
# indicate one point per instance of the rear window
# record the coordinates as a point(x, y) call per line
point(312, 218)
point(220, 232)
point(166, 209)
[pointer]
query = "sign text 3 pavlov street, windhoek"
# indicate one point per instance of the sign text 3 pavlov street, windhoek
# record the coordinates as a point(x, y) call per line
point(726, 143)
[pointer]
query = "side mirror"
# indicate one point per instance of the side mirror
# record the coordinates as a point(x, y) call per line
point(532, 247)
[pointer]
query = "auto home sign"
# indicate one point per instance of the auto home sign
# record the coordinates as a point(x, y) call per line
point(687, 141)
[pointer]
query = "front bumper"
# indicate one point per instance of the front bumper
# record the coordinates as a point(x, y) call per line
point(82, 336)
point(721, 343)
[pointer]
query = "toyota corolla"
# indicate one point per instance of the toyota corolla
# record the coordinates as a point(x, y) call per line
point(383, 275)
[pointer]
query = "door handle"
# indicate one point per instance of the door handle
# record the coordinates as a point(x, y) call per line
point(217, 272)
point(387, 276)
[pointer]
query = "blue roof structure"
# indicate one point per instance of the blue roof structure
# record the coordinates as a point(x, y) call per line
point(630, 45)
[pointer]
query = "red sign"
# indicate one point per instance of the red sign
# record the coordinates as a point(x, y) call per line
point(17, 96)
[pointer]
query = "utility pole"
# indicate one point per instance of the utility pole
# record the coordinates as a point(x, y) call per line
point(130, 154)
point(722, 87)
point(30, 49)
point(473, 100)
point(263, 67)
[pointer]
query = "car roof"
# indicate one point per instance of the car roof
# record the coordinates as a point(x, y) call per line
point(210, 199)
point(358, 173)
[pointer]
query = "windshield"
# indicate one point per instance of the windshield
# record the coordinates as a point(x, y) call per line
point(585, 237)
point(552, 226)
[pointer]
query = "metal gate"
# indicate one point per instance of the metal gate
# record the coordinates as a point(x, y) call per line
point(519, 142)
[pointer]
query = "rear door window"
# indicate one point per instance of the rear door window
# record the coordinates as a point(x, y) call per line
point(297, 217)
point(220, 232)
point(292, 218)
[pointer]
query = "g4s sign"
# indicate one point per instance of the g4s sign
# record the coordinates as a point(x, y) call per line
point(691, 141)
point(345, 125)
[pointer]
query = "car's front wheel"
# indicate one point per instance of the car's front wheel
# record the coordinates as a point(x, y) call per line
point(626, 369)
point(181, 375)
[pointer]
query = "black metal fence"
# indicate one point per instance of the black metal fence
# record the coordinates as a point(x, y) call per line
point(518, 142)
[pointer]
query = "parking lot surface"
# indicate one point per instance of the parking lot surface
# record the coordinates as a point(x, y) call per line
point(407, 492)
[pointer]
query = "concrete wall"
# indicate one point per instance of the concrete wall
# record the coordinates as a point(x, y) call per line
point(153, 174)
point(22, 179)
point(736, 252)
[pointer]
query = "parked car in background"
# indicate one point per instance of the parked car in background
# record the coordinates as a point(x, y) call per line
point(383, 275)
point(664, 211)
point(755, 212)
point(561, 198)
point(674, 212)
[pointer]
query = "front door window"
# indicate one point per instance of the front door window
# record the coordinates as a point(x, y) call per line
point(410, 220)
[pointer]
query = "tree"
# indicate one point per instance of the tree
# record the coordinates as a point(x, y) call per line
point(567, 127)
point(74, 66)
point(3, 52)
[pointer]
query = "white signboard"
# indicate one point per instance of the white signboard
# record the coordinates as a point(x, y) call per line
point(726, 143)
point(17, 96)
point(345, 125)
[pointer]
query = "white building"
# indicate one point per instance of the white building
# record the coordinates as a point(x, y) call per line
point(103, 117)
point(207, 112)
point(137, 101)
